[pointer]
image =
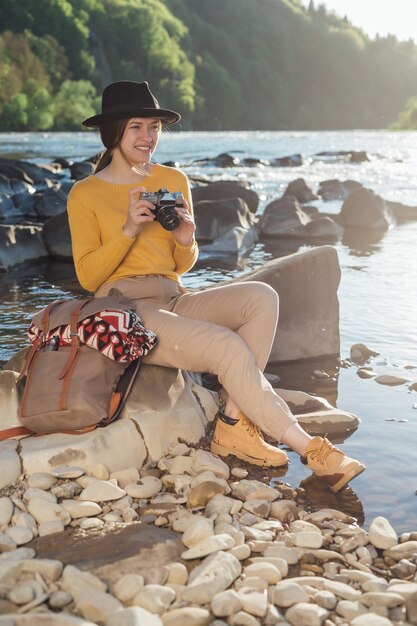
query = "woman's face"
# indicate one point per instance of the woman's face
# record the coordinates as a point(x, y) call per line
point(140, 139)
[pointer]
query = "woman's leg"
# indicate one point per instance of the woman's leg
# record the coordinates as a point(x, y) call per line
point(249, 308)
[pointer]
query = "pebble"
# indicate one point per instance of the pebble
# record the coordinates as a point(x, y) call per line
point(42, 480)
point(390, 380)
point(6, 510)
point(200, 528)
point(44, 511)
point(81, 509)
point(186, 616)
point(134, 616)
point(226, 603)
point(243, 619)
point(102, 491)
point(202, 493)
point(204, 460)
point(239, 472)
point(177, 574)
point(22, 594)
point(59, 599)
point(287, 593)
point(208, 545)
point(64, 471)
point(154, 598)
point(91, 523)
point(100, 471)
point(381, 534)
point(20, 534)
point(266, 571)
point(147, 487)
point(306, 614)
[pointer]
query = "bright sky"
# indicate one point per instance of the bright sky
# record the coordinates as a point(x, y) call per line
point(398, 17)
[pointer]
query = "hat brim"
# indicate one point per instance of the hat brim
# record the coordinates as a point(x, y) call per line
point(167, 116)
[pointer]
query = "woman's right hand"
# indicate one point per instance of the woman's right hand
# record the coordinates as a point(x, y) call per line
point(139, 213)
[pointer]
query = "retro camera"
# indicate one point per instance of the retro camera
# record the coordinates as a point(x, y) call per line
point(164, 207)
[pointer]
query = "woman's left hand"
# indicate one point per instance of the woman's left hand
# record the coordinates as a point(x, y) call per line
point(184, 234)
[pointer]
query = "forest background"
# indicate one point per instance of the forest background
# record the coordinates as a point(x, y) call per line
point(224, 64)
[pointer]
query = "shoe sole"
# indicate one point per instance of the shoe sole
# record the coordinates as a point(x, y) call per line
point(355, 471)
point(216, 448)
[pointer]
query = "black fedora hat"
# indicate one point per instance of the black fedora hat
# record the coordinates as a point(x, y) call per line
point(125, 99)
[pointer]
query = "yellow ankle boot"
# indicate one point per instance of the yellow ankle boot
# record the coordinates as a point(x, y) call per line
point(244, 440)
point(331, 464)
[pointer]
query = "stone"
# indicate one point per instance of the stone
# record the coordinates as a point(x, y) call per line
point(154, 598)
point(283, 510)
point(331, 421)
point(100, 471)
point(325, 599)
point(133, 616)
point(89, 595)
point(305, 539)
point(202, 493)
point(117, 446)
point(128, 586)
point(219, 190)
point(200, 528)
point(170, 394)
point(239, 472)
point(226, 603)
point(78, 509)
point(34, 492)
point(381, 534)
point(22, 594)
point(298, 188)
point(243, 619)
point(204, 460)
point(242, 552)
point(181, 465)
point(370, 619)
point(64, 471)
point(49, 569)
point(403, 589)
point(254, 601)
point(20, 534)
point(178, 574)
point(20, 244)
point(214, 218)
point(59, 599)
point(390, 380)
point(208, 545)
point(6, 510)
point(360, 353)
point(214, 574)
point(402, 551)
point(287, 593)
point(102, 491)
point(41, 480)
point(233, 244)
point(10, 462)
point(411, 606)
point(305, 614)
point(260, 508)
point(147, 487)
point(91, 522)
point(384, 598)
point(266, 571)
point(44, 511)
point(126, 477)
point(309, 316)
point(363, 209)
point(290, 555)
point(186, 616)
point(51, 527)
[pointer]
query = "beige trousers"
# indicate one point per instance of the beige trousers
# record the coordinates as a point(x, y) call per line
point(227, 331)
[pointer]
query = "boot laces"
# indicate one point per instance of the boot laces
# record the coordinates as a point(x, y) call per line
point(323, 451)
point(252, 428)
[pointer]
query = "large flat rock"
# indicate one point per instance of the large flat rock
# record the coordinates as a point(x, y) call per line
point(307, 284)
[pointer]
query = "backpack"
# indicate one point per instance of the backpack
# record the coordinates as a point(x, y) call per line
point(77, 374)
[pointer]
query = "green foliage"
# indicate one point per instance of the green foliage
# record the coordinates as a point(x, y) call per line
point(75, 101)
point(224, 64)
point(407, 120)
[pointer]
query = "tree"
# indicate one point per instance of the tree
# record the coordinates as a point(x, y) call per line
point(75, 101)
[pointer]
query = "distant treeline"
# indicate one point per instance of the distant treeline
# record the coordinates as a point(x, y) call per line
point(224, 64)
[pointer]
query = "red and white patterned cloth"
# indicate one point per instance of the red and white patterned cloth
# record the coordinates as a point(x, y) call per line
point(118, 335)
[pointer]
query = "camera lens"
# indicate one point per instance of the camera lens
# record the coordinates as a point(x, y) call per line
point(168, 218)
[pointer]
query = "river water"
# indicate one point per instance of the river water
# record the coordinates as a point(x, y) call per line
point(378, 295)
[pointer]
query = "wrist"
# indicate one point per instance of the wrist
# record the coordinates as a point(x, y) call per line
point(129, 233)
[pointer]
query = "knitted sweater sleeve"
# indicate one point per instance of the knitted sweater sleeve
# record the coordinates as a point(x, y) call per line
point(186, 256)
point(94, 261)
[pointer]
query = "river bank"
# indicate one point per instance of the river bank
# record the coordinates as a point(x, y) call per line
point(377, 294)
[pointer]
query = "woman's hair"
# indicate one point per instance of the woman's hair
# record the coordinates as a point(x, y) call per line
point(111, 134)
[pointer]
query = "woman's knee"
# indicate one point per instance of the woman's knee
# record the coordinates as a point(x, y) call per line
point(263, 296)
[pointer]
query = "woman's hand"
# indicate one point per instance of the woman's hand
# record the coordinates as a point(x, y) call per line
point(139, 213)
point(184, 234)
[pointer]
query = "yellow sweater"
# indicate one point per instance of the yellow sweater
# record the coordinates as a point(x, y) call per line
point(97, 211)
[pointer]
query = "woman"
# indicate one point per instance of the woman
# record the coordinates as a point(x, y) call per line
point(228, 330)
